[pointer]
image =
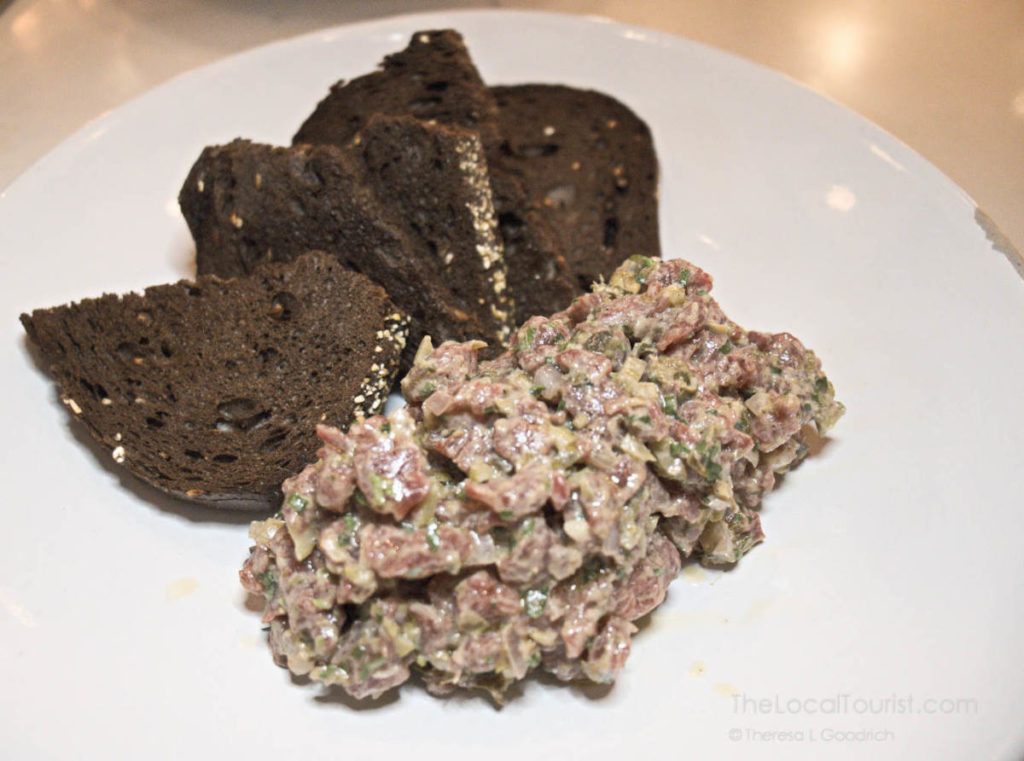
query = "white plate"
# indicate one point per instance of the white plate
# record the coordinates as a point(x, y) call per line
point(882, 618)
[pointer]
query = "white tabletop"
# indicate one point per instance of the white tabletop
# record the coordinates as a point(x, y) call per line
point(946, 78)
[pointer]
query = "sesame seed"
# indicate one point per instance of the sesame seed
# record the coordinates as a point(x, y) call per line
point(118, 455)
point(72, 405)
point(549, 130)
point(201, 186)
point(236, 221)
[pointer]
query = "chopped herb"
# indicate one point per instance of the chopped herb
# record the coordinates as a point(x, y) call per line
point(776, 370)
point(702, 446)
point(712, 468)
point(742, 424)
point(359, 497)
point(561, 405)
point(490, 409)
point(506, 515)
point(298, 503)
point(536, 391)
point(670, 405)
point(528, 526)
point(821, 384)
point(526, 339)
point(535, 659)
point(645, 419)
point(350, 521)
point(372, 666)
point(726, 347)
point(386, 427)
point(383, 488)
point(269, 582)
point(429, 387)
point(806, 407)
point(657, 572)
point(678, 449)
point(620, 573)
point(432, 537)
point(684, 276)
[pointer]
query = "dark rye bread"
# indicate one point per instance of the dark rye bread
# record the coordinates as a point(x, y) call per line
point(406, 203)
point(434, 79)
point(591, 162)
point(209, 390)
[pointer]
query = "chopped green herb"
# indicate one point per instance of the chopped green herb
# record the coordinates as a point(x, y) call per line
point(678, 449)
point(372, 666)
point(535, 659)
point(684, 276)
point(528, 526)
point(726, 347)
point(776, 370)
point(386, 427)
point(561, 405)
point(821, 384)
point(526, 339)
point(432, 537)
point(506, 515)
point(742, 424)
point(536, 391)
point(298, 503)
point(383, 488)
point(269, 582)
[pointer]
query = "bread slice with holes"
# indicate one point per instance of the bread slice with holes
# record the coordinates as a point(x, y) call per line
point(406, 203)
point(209, 390)
point(590, 161)
point(434, 79)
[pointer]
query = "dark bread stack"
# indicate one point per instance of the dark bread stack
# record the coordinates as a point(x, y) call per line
point(474, 208)
point(407, 203)
point(209, 390)
point(434, 79)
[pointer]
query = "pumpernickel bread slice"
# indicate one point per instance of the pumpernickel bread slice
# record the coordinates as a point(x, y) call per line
point(434, 79)
point(406, 203)
point(590, 161)
point(209, 390)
